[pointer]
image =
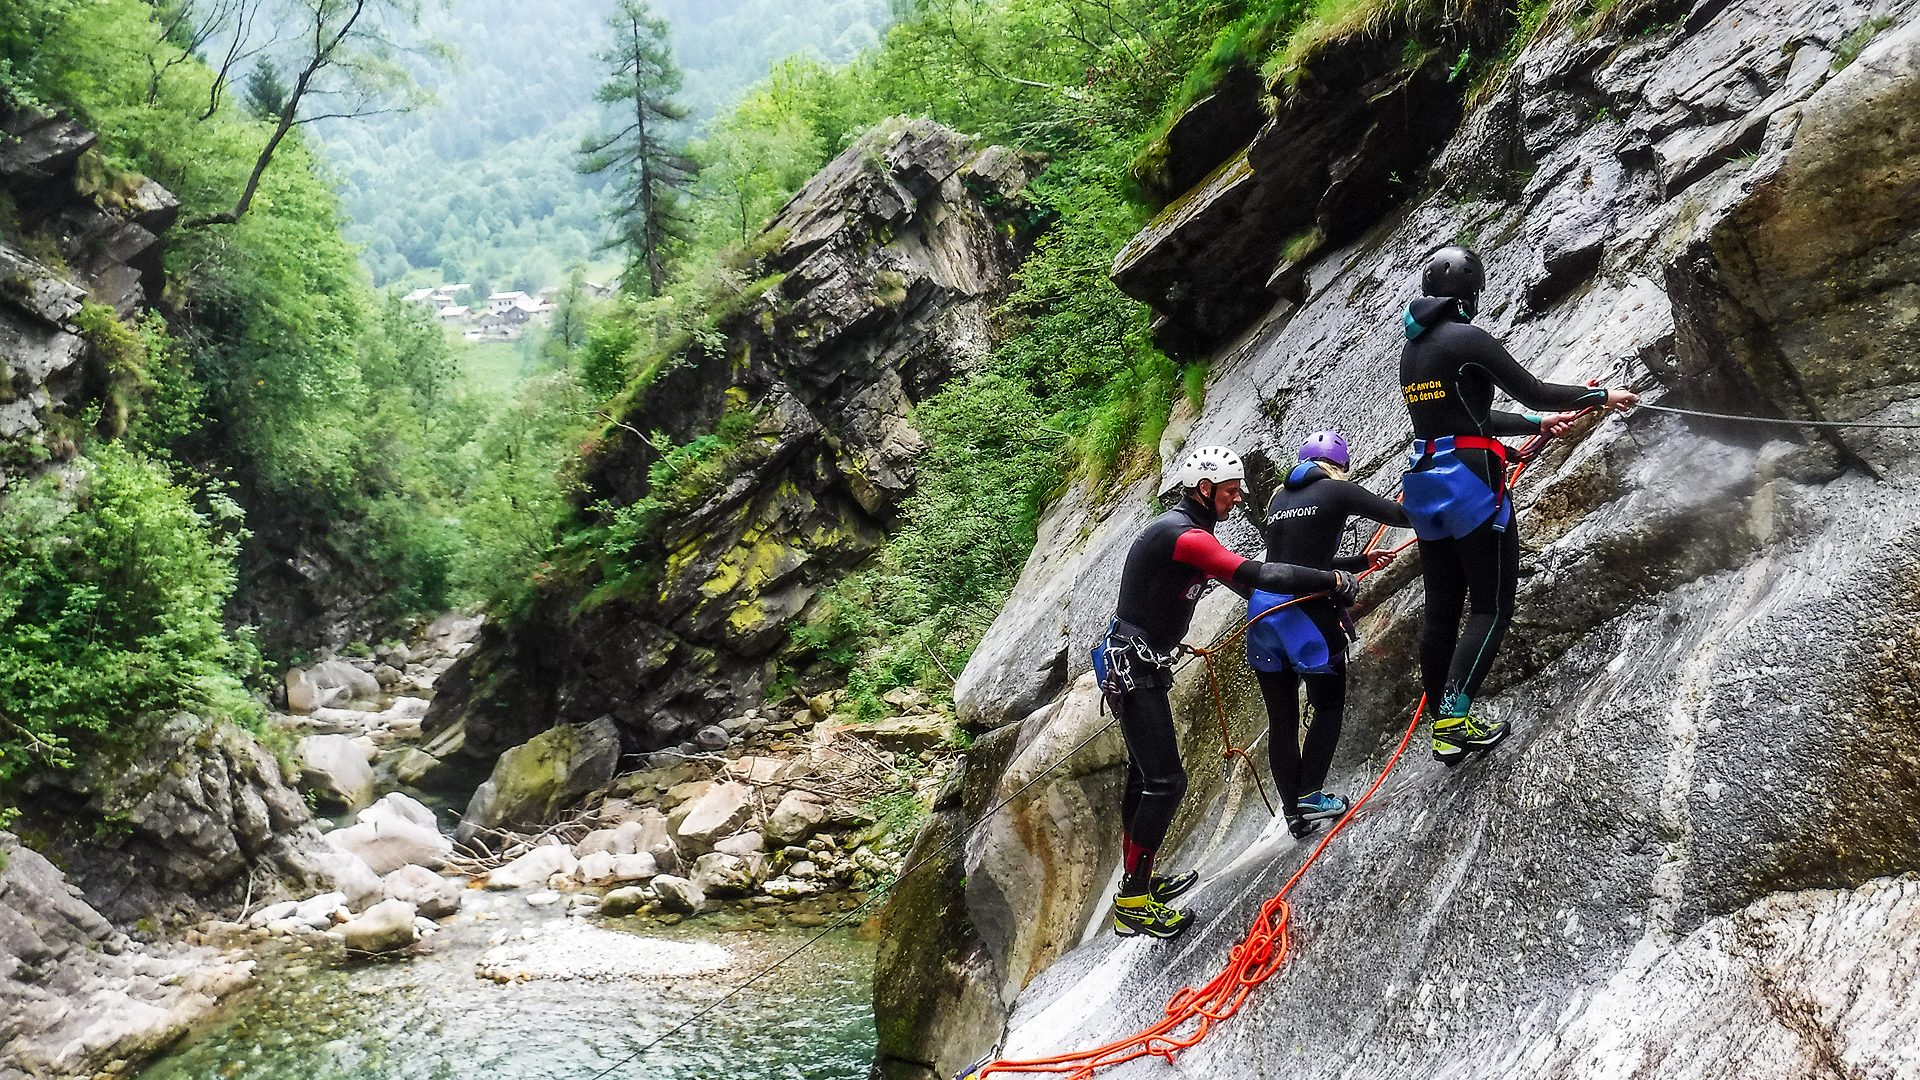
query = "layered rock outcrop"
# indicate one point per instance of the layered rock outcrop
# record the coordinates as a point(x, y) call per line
point(1697, 847)
point(883, 271)
point(72, 231)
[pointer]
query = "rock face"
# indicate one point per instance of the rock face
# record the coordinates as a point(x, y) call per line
point(91, 235)
point(74, 993)
point(883, 273)
point(1698, 846)
point(198, 811)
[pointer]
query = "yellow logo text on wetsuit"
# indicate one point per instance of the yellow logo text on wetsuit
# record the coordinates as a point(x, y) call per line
point(1431, 390)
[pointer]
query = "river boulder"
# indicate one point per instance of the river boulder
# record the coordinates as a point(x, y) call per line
point(334, 770)
point(534, 868)
point(678, 895)
point(533, 782)
point(430, 894)
point(384, 927)
point(625, 901)
point(389, 841)
point(717, 812)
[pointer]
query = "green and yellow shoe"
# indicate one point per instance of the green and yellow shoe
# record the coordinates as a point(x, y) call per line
point(1455, 736)
point(1164, 889)
point(1144, 915)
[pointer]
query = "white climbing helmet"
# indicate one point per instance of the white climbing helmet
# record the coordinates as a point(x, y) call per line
point(1216, 463)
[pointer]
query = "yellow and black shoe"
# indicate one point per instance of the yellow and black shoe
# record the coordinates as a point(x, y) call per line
point(1165, 889)
point(1144, 915)
point(1456, 736)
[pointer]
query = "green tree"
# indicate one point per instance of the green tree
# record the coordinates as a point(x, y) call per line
point(346, 58)
point(266, 91)
point(649, 168)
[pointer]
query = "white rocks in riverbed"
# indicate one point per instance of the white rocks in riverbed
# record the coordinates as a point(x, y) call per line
point(787, 888)
point(273, 913)
point(602, 868)
point(543, 898)
point(579, 950)
point(534, 867)
point(319, 912)
point(385, 926)
point(432, 895)
point(722, 874)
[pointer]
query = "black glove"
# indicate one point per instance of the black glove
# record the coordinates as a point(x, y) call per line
point(1346, 589)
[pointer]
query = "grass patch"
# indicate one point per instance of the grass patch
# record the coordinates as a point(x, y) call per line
point(1850, 46)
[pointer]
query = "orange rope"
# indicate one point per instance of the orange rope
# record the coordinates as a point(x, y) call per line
point(1250, 963)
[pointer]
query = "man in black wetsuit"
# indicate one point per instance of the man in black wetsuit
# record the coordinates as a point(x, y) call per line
point(1166, 571)
point(1455, 487)
point(1307, 642)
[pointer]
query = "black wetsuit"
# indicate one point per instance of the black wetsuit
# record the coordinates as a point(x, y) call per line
point(1166, 571)
point(1448, 372)
point(1305, 523)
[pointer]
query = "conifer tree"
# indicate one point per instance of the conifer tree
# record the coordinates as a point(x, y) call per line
point(650, 169)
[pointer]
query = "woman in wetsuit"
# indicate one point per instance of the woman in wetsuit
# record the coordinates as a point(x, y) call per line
point(1455, 487)
point(1307, 642)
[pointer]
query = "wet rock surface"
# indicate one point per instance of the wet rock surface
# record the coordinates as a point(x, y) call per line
point(1711, 781)
point(888, 264)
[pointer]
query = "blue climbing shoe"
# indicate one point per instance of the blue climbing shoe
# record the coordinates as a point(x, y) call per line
point(1456, 736)
point(1321, 806)
point(1144, 915)
point(1165, 889)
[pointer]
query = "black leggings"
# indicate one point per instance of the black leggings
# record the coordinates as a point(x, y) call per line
point(1484, 567)
point(1298, 771)
point(1155, 780)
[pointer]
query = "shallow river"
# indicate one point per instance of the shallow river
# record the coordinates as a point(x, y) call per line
point(431, 1017)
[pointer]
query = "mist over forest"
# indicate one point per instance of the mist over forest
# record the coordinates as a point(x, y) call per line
point(483, 187)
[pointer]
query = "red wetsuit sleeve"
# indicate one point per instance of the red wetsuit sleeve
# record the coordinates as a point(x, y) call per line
point(1199, 549)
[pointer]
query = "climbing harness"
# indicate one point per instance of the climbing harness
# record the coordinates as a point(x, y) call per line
point(1250, 963)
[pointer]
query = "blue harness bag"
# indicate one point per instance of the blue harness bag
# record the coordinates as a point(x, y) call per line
point(1285, 639)
point(1446, 499)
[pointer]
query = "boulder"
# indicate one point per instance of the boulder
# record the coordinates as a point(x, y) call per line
point(712, 739)
point(318, 911)
point(678, 895)
point(614, 841)
point(273, 913)
point(718, 812)
point(605, 868)
point(386, 676)
point(623, 901)
point(533, 782)
point(721, 874)
point(389, 841)
point(430, 894)
point(348, 682)
point(414, 765)
point(534, 868)
point(743, 844)
point(335, 771)
point(384, 927)
point(449, 630)
point(396, 805)
point(907, 734)
point(795, 819)
point(351, 875)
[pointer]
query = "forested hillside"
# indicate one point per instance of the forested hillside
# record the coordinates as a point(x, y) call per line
point(484, 187)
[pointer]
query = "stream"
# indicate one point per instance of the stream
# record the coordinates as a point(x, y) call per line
point(316, 1016)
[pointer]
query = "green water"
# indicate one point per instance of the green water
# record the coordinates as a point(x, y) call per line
point(431, 1018)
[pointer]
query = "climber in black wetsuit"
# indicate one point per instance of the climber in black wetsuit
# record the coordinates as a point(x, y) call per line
point(1455, 486)
point(1166, 571)
point(1307, 642)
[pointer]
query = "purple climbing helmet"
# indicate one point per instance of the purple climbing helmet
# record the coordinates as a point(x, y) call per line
point(1325, 446)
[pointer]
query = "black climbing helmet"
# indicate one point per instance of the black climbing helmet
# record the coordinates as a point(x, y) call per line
point(1454, 271)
